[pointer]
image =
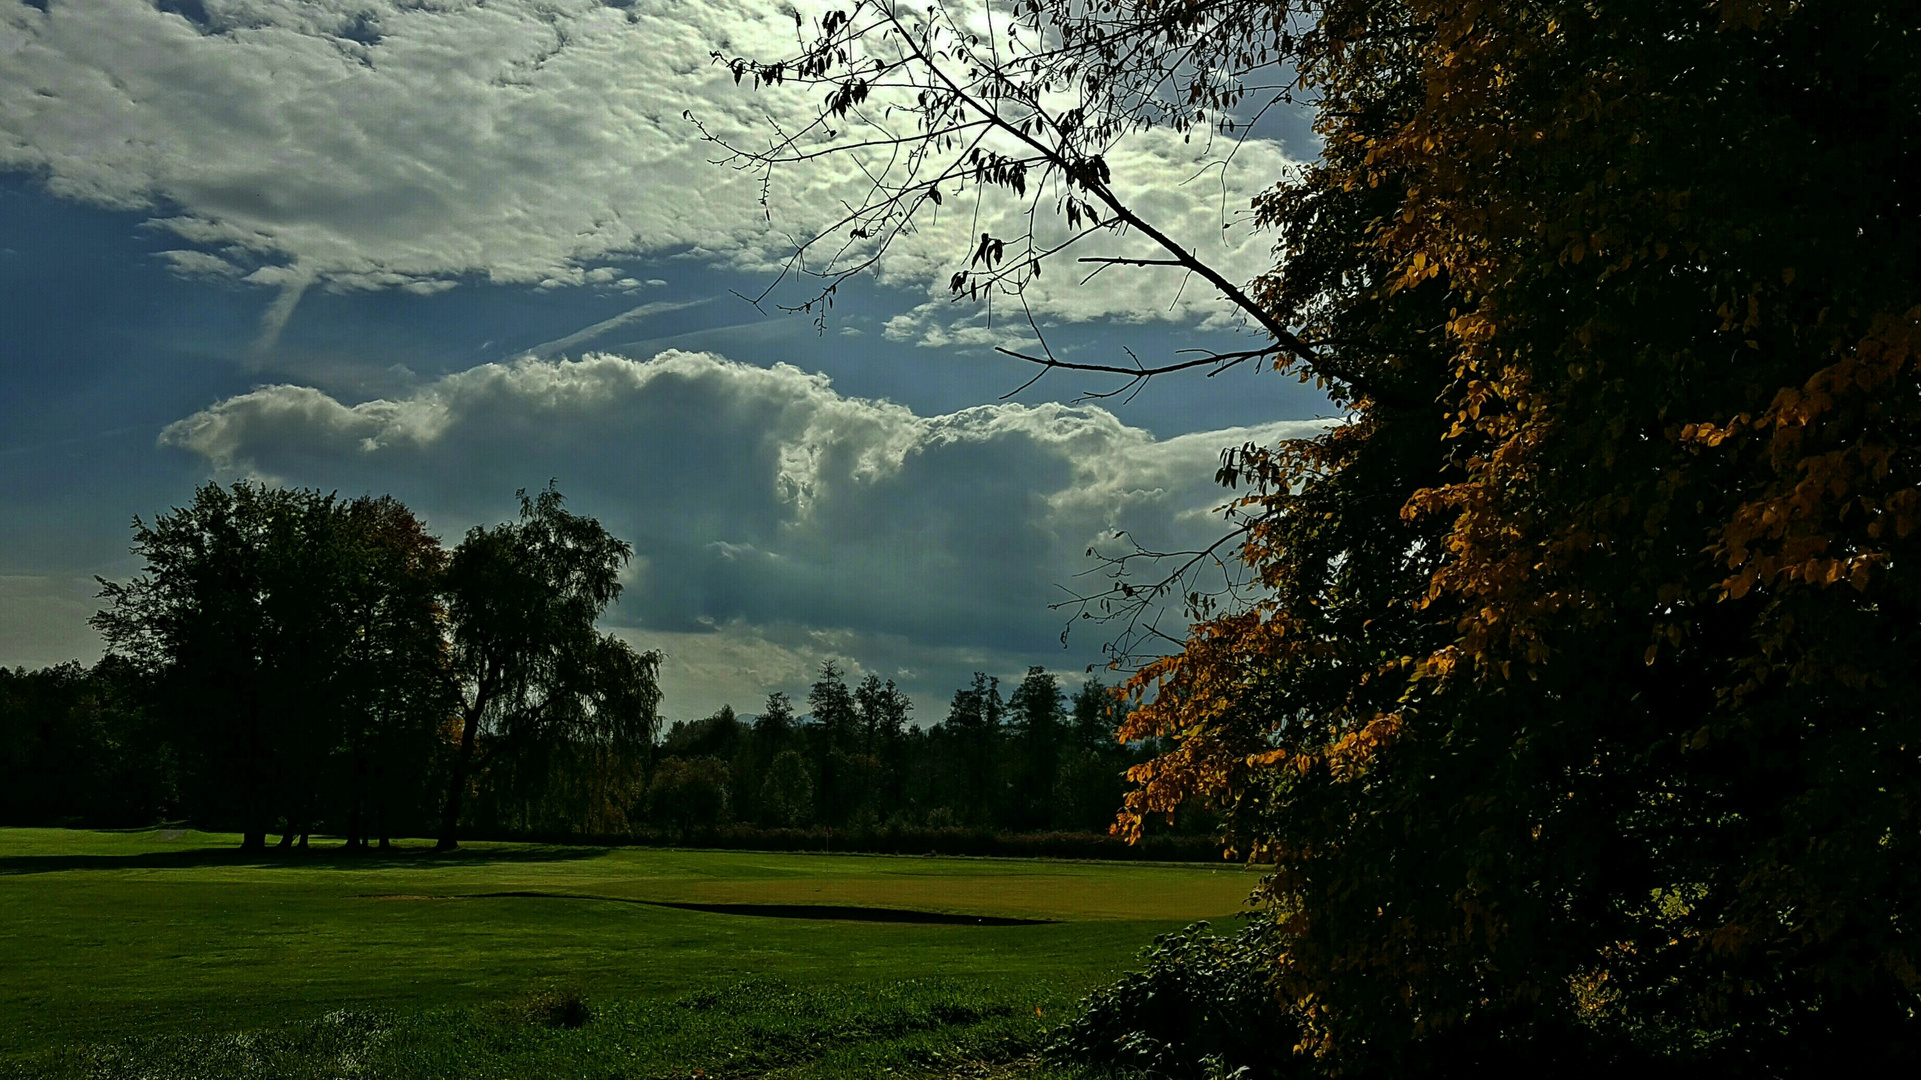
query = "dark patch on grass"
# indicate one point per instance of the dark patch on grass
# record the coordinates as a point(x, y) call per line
point(854, 914)
point(836, 912)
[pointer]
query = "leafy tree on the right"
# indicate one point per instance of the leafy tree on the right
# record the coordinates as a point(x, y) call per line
point(1573, 706)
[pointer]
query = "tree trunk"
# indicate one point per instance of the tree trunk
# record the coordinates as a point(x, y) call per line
point(382, 815)
point(252, 774)
point(355, 839)
point(469, 735)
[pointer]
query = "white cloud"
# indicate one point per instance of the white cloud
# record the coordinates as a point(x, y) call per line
point(404, 144)
point(563, 345)
point(774, 517)
point(520, 140)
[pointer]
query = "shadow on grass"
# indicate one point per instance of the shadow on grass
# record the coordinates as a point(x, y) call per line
point(834, 912)
point(327, 858)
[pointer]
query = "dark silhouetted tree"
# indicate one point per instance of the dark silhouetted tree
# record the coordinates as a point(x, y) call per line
point(397, 692)
point(1037, 713)
point(884, 710)
point(787, 793)
point(78, 747)
point(689, 793)
point(215, 622)
point(1093, 765)
point(834, 734)
point(532, 669)
point(775, 724)
point(974, 725)
point(293, 646)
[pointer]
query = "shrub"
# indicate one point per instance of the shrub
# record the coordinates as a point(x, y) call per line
point(1201, 1009)
point(556, 1007)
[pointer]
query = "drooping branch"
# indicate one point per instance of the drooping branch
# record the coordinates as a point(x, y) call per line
point(1133, 612)
point(1036, 104)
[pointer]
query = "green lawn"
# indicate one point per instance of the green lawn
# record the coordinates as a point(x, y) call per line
point(167, 953)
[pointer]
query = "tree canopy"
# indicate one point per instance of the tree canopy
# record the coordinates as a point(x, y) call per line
point(293, 633)
point(289, 660)
point(1571, 701)
point(532, 668)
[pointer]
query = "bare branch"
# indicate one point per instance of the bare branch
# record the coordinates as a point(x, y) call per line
point(1120, 261)
point(1222, 361)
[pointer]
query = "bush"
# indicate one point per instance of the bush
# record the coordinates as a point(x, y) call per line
point(554, 1007)
point(689, 793)
point(1201, 1010)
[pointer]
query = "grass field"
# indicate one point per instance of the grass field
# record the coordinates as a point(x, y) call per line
point(163, 953)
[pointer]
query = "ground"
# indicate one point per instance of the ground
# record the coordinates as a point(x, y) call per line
point(167, 953)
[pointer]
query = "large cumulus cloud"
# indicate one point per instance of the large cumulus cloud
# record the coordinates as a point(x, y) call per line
point(409, 143)
point(773, 516)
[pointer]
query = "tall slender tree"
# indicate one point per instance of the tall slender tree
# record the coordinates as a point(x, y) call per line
point(974, 719)
point(834, 734)
point(1038, 711)
point(884, 710)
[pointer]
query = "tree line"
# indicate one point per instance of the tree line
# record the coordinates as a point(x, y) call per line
point(291, 662)
point(1031, 760)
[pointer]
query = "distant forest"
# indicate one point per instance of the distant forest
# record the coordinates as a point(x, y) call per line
point(293, 663)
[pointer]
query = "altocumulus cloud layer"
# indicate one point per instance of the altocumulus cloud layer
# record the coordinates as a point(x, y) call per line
point(413, 143)
point(776, 521)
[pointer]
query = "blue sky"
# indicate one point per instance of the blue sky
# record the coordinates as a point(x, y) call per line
point(450, 249)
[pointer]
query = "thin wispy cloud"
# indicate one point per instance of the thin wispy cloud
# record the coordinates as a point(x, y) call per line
point(586, 335)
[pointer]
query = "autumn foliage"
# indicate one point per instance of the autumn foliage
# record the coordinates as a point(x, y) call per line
point(1573, 702)
point(1579, 719)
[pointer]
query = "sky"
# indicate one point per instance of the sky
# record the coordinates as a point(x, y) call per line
point(448, 249)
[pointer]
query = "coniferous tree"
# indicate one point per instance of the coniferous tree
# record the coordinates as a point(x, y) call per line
point(884, 710)
point(1094, 762)
point(834, 735)
point(974, 719)
point(1037, 711)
